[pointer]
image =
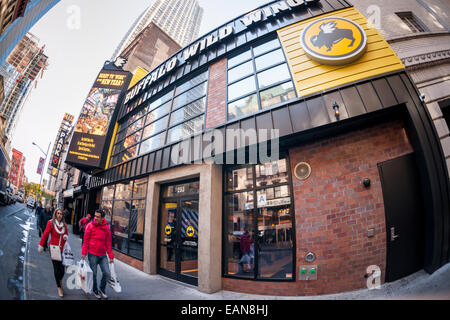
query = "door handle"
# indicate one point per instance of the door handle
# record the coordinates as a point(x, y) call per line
point(393, 235)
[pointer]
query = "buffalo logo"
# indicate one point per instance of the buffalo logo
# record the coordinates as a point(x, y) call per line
point(333, 41)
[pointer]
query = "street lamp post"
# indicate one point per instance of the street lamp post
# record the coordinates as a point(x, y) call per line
point(45, 161)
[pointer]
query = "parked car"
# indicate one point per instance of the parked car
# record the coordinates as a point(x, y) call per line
point(30, 203)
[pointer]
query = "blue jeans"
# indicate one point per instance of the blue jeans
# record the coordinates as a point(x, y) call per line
point(102, 261)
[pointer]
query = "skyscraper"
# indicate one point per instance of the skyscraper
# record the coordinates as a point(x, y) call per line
point(12, 34)
point(20, 72)
point(180, 19)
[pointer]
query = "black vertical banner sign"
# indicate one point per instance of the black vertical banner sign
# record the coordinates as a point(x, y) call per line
point(92, 134)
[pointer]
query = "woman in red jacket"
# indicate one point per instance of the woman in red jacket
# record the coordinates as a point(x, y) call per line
point(97, 243)
point(57, 229)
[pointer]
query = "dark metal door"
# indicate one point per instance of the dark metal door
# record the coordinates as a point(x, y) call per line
point(178, 236)
point(404, 216)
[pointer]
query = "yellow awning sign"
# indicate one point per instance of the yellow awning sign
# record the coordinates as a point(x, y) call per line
point(168, 229)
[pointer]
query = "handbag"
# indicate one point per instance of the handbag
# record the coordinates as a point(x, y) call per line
point(55, 251)
point(114, 280)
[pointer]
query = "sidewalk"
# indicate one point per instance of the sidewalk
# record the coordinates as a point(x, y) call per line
point(40, 284)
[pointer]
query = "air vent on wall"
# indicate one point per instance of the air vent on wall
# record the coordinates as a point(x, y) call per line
point(302, 170)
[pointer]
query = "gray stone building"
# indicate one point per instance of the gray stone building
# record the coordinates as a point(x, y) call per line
point(419, 32)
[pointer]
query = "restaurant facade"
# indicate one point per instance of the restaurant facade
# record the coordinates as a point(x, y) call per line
point(286, 152)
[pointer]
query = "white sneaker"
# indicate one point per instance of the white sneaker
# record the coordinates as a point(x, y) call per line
point(102, 294)
point(96, 294)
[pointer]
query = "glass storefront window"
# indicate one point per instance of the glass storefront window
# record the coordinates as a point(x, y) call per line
point(189, 111)
point(158, 113)
point(240, 237)
point(123, 190)
point(239, 108)
point(269, 59)
point(239, 179)
point(191, 83)
point(152, 143)
point(241, 88)
point(258, 236)
point(189, 96)
point(271, 173)
point(239, 59)
point(274, 75)
point(108, 193)
point(107, 207)
point(155, 127)
point(240, 71)
point(277, 94)
point(136, 228)
point(140, 188)
point(156, 103)
point(119, 226)
point(271, 69)
point(126, 217)
point(170, 114)
point(185, 129)
point(267, 46)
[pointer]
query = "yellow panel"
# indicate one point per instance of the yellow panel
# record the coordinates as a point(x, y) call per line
point(111, 145)
point(138, 75)
point(311, 77)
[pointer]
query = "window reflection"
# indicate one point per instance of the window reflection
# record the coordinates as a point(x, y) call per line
point(188, 111)
point(242, 107)
point(240, 71)
point(155, 127)
point(185, 130)
point(261, 234)
point(189, 96)
point(239, 58)
point(277, 94)
point(191, 83)
point(271, 173)
point(239, 179)
point(269, 59)
point(152, 143)
point(242, 87)
point(119, 226)
point(274, 75)
point(267, 46)
point(160, 101)
point(240, 248)
point(158, 113)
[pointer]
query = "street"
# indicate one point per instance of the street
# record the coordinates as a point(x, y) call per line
point(15, 225)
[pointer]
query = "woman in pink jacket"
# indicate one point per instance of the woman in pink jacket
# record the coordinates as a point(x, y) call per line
point(97, 243)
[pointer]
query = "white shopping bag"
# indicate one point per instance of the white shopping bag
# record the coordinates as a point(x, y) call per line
point(67, 255)
point(114, 280)
point(85, 276)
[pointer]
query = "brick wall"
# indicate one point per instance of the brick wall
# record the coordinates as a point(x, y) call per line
point(333, 211)
point(135, 263)
point(215, 112)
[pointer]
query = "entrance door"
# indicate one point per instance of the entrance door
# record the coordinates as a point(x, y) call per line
point(178, 235)
point(404, 217)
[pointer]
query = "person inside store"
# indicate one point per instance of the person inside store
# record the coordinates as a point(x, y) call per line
point(97, 245)
point(246, 248)
point(57, 230)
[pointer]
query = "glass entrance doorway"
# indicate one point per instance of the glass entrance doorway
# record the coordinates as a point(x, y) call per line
point(178, 232)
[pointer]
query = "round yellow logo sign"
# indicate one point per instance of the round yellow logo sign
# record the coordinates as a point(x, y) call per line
point(168, 229)
point(190, 231)
point(334, 41)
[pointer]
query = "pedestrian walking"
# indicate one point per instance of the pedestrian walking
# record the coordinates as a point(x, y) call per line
point(37, 214)
point(97, 243)
point(45, 216)
point(57, 230)
point(83, 224)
